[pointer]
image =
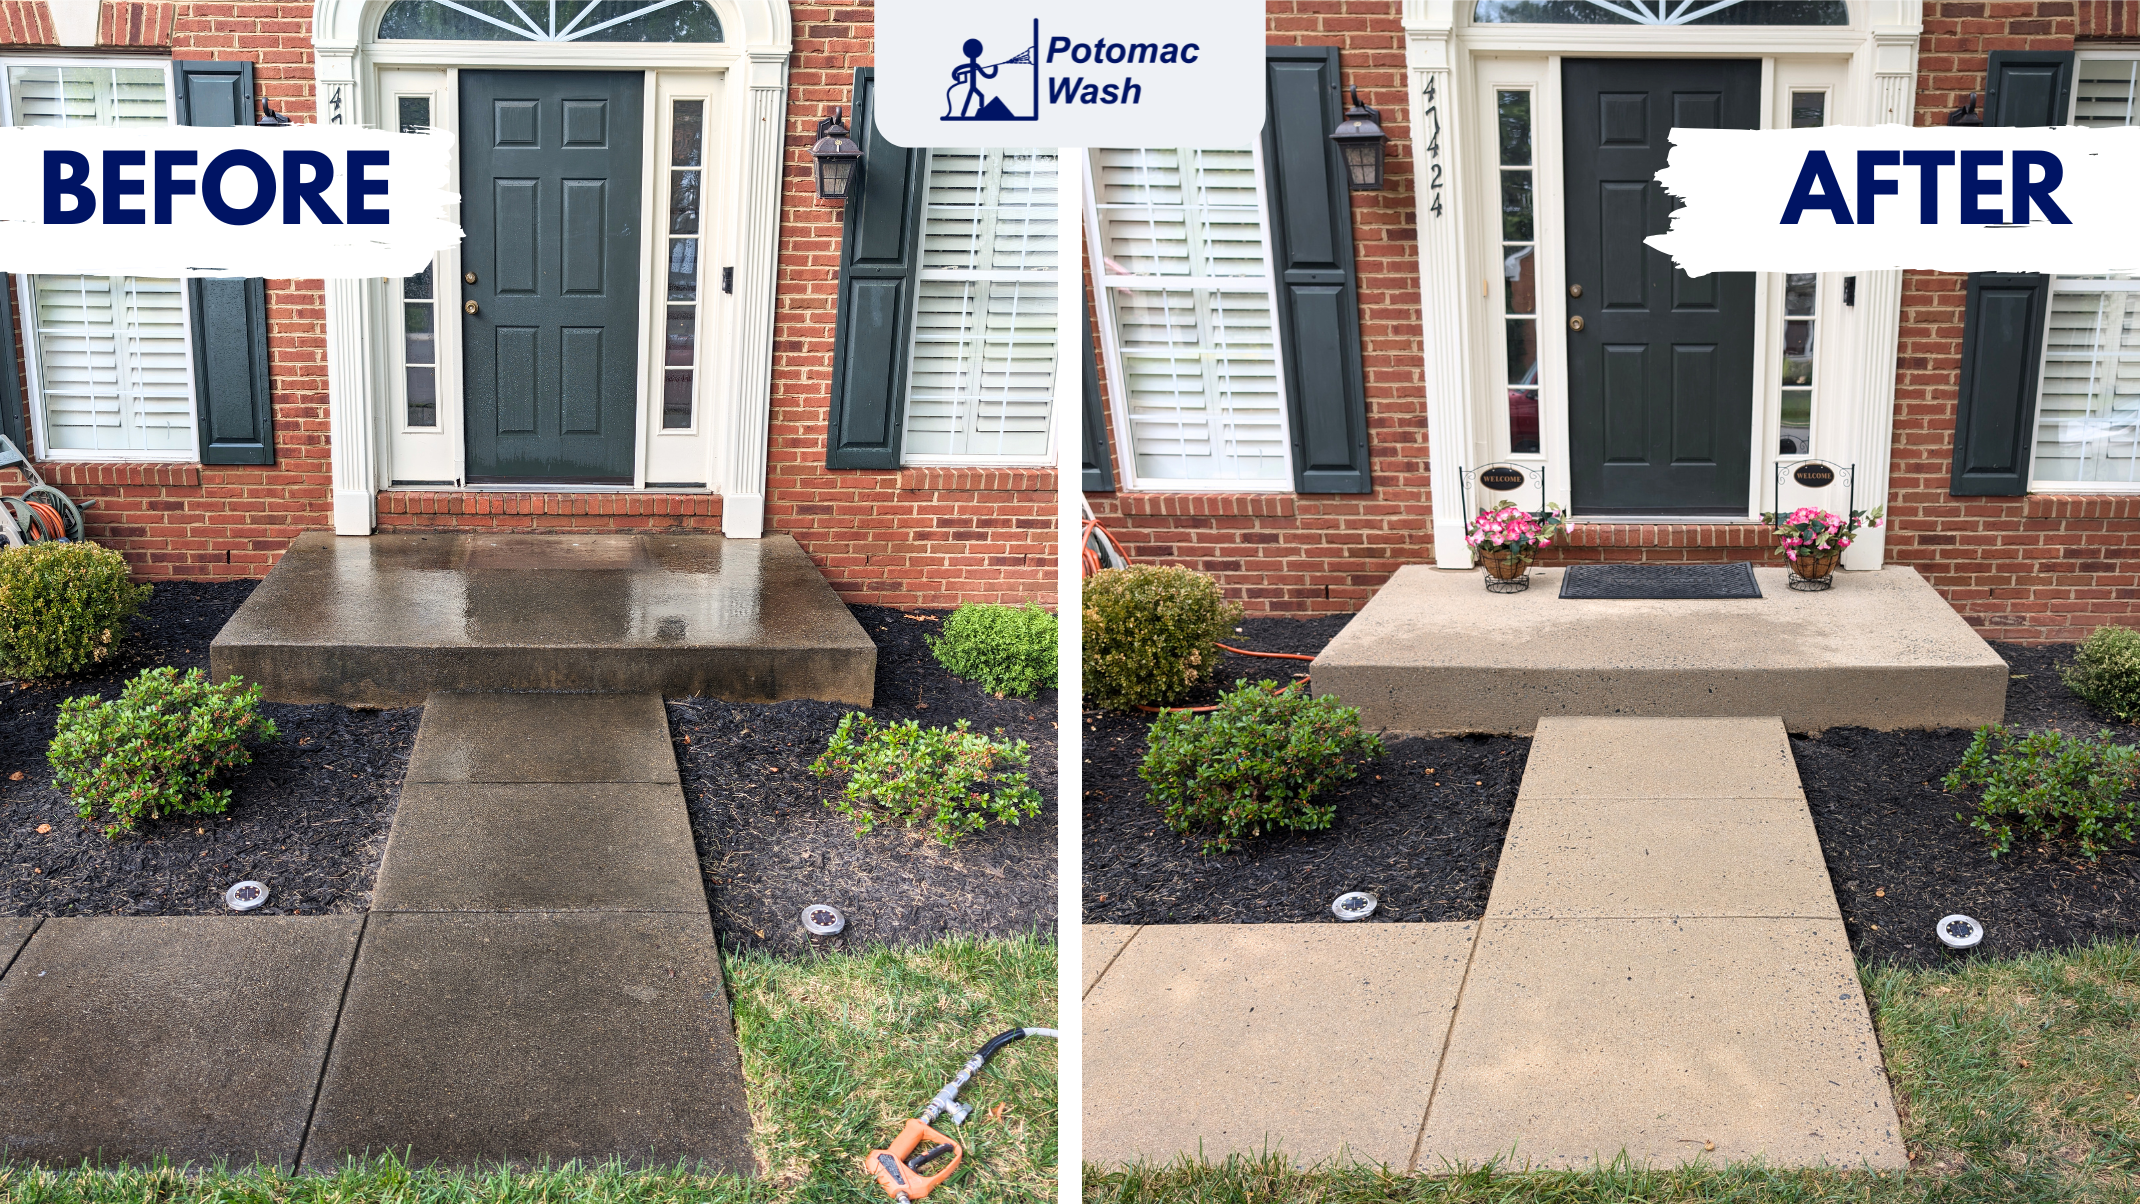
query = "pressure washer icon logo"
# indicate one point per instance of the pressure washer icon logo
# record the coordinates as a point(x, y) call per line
point(982, 91)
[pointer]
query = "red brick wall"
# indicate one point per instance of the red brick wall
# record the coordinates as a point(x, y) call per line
point(916, 537)
point(2029, 569)
point(1308, 553)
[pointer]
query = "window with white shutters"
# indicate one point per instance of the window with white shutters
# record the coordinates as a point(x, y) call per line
point(110, 357)
point(2088, 405)
point(981, 384)
point(1187, 317)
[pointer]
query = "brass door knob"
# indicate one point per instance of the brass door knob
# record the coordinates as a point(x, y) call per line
point(468, 277)
point(1574, 323)
point(471, 308)
point(1574, 290)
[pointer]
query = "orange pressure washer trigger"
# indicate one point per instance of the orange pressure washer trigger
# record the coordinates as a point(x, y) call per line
point(888, 1166)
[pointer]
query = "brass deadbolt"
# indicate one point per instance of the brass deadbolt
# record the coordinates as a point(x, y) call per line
point(1574, 290)
point(468, 277)
point(1574, 323)
point(471, 308)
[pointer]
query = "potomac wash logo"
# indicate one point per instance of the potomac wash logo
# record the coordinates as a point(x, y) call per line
point(1101, 72)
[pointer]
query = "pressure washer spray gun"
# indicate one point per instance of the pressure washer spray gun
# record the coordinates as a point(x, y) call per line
point(901, 1168)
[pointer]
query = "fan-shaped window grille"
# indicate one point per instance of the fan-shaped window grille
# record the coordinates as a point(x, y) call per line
point(551, 21)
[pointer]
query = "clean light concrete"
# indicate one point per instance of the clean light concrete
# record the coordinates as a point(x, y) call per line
point(479, 1039)
point(388, 619)
point(1583, 757)
point(1433, 651)
point(1103, 942)
point(123, 1038)
point(1578, 1038)
point(543, 738)
point(1591, 858)
point(1316, 1039)
point(598, 846)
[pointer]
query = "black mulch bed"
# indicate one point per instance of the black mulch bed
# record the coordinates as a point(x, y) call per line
point(1897, 855)
point(769, 845)
point(308, 817)
point(1900, 860)
point(1425, 843)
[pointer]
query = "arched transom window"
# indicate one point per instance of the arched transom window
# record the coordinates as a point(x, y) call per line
point(551, 21)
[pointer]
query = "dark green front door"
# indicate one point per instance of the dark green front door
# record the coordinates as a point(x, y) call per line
point(1660, 375)
point(550, 217)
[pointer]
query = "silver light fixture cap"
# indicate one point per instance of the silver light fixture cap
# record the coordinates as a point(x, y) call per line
point(1354, 905)
point(246, 895)
point(823, 919)
point(1960, 932)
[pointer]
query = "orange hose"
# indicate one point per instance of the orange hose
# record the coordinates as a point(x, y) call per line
point(49, 518)
point(1297, 656)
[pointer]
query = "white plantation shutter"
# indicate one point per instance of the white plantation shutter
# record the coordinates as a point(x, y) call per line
point(2088, 406)
point(981, 385)
point(111, 354)
point(1187, 307)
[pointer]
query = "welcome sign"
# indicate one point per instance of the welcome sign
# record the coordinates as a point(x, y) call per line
point(287, 201)
point(1867, 198)
point(1097, 73)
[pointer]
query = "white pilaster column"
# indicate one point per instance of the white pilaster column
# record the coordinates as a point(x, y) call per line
point(1871, 435)
point(750, 412)
point(1429, 55)
point(351, 435)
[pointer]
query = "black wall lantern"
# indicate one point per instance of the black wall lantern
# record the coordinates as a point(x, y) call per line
point(1360, 136)
point(837, 156)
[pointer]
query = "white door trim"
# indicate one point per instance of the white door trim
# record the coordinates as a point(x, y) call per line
point(1442, 48)
point(751, 133)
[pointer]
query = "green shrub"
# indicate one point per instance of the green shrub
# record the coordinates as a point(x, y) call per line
point(950, 779)
point(63, 607)
point(1007, 649)
point(2045, 782)
point(1255, 763)
point(2106, 672)
point(1151, 634)
point(153, 751)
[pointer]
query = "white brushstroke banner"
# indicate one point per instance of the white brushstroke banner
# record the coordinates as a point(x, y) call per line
point(1868, 198)
point(298, 201)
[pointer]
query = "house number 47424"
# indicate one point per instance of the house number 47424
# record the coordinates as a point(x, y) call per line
point(1433, 117)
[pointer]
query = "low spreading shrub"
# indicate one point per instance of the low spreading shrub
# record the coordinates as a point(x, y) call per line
point(1151, 634)
point(2106, 672)
point(153, 751)
point(2048, 784)
point(63, 607)
point(1007, 649)
point(949, 779)
point(1255, 763)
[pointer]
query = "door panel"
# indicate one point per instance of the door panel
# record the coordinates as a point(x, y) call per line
point(550, 168)
point(1660, 377)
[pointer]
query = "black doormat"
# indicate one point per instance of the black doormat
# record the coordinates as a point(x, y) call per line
point(1734, 580)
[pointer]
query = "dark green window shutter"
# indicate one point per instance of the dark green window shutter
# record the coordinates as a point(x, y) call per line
point(1318, 290)
point(2002, 349)
point(231, 386)
point(2028, 87)
point(1099, 466)
point(2003, 318)
point(10, 378)
point(880, 258)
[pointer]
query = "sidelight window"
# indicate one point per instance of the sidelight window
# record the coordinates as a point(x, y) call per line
point(1801, 304)
point(419, 306)
point(1519, 268)
point(680, 344)
point(110, 357)
point(1187, 314)
point(981, 386)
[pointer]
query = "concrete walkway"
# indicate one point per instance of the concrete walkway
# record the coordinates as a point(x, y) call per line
point(538, 978)
point(1662, 968)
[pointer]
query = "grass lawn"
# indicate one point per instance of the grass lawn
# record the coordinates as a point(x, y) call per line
point(838, 1052)
point(2016, 1081)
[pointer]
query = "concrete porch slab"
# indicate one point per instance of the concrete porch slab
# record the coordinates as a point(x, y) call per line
point(1102, 942)
point(543, 738)
point(1315, 1039)
point(201, 1038)
point(1577, 1038)
point(1600, 858)
point(507, 847)
point(478, 1039)
point(1434, 652)
point(385, 620)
